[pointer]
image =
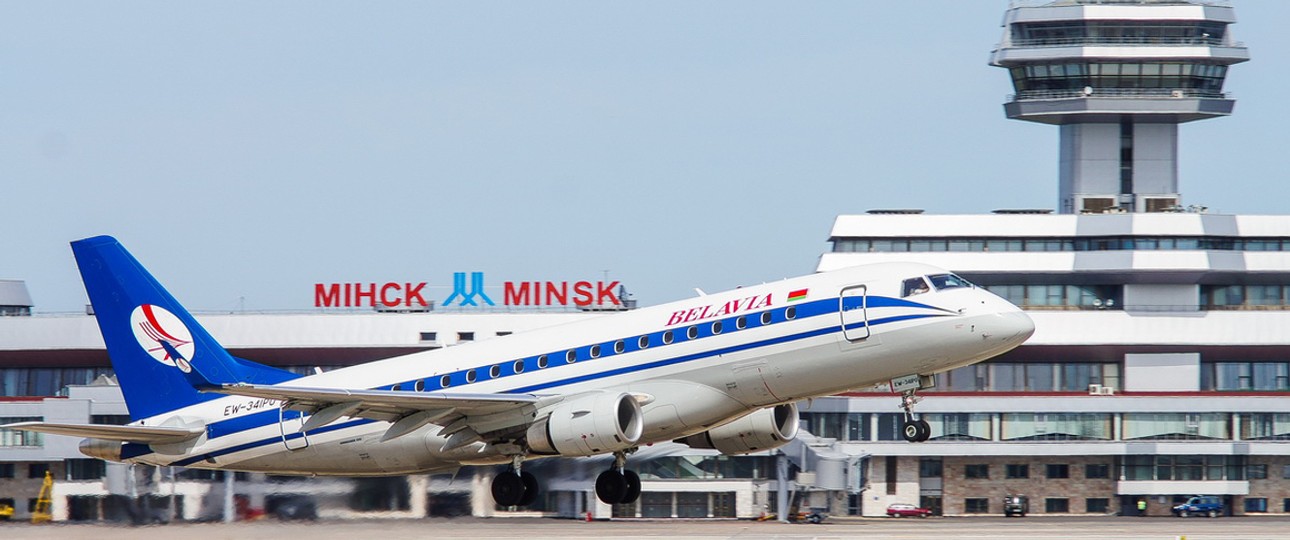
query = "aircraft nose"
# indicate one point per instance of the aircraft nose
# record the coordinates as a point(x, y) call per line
point(1018, 325)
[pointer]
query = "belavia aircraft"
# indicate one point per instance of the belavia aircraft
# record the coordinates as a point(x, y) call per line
point(718, 371)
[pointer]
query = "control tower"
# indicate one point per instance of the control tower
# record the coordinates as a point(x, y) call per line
point(1118, 76)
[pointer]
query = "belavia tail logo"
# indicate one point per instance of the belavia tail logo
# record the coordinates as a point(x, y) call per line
point(154, 328)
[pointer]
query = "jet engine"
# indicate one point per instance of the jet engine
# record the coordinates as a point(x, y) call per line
point(765, 429)
point(588, 425)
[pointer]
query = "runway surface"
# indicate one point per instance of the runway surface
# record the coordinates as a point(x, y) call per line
point(533, 529)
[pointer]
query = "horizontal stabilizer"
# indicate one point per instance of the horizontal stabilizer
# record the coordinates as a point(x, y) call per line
point(134, 434)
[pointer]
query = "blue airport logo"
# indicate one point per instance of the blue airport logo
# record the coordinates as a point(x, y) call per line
point(466, 296)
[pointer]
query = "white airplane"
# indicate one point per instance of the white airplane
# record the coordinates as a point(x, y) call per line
point(720, 371)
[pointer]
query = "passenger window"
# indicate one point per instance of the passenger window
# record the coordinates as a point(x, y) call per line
point(667, 337)
point(595, 351)
point(570, 356)
point(643, 342)
point(741, 323)
point(470, 376)
point(395, 388)
point(494, 372)
point(716, 328)
point(948, 281)
point(913, 286)
point(541, 362)
point(519, 366)
point(790, 313)
point(419, 386)
point(445, 381)
point(692, 332)
point(765, 317)
point(619, 347)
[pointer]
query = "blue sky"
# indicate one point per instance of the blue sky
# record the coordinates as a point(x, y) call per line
point(245, 150)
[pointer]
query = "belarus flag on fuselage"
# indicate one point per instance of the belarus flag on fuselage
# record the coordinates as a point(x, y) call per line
point(799, 294)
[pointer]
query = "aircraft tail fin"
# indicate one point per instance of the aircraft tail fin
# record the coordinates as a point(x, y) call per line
point(160, 353)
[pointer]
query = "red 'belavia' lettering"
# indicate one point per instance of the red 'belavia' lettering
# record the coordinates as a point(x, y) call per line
point(713, 311)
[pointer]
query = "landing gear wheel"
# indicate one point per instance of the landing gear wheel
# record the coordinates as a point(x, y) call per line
point(611, 486)
point(531, 488)
point(926, 430)
point(911, 430)
point(508, 488)
point(633, 491)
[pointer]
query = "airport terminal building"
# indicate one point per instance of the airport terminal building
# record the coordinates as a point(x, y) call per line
point(1160, 366)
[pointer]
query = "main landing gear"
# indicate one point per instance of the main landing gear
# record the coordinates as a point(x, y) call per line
point(618, 485)
point(514, 487)
point(914, 429)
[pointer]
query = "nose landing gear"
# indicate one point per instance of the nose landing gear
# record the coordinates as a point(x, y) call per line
point(913, 429)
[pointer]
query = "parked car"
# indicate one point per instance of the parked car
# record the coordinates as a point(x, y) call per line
point(1200, 506)
point(292, 507)
point(1016, 505)
point(907, 510)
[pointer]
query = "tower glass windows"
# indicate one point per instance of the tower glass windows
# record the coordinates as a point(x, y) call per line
point(1061, 33)
point(1118, 78)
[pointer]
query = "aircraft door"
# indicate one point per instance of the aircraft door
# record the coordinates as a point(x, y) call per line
point(289, 422)
point(853, 308)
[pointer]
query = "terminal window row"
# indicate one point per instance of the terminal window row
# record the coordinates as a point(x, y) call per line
point(1251, 297)
point(1101, 505)
point(1029, 377)
point(1051, 471)
point(1060, 296)
point(1131, 467)
point(1215, 375)
point(13, 437)
point(1110, 297)
point(1089, 243)
point(1222, 376)
point(707, 467)
point(1239, 376)
point(1028, 427)
point(45, 381)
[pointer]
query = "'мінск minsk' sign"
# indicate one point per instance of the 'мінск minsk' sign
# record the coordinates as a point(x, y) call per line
point(468, 293)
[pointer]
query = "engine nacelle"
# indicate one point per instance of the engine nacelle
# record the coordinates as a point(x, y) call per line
point(765, 429)
point(588, 425)
point(99, 448)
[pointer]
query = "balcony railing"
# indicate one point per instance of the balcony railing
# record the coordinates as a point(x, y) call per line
point(1041, 3)
point(1115, 41)
point(1125, 93)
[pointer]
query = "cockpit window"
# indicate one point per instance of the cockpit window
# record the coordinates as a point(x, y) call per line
point(948, 281)
point(913, 286)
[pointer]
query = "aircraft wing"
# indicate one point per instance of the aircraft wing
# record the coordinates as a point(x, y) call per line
point(134, 434)
point(408, 410)
point(391, 402)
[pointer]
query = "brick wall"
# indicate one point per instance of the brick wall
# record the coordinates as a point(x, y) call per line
point(1276, 488)
point(1038, 487)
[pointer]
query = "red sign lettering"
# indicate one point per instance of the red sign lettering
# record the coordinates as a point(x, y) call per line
point(369, 294)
